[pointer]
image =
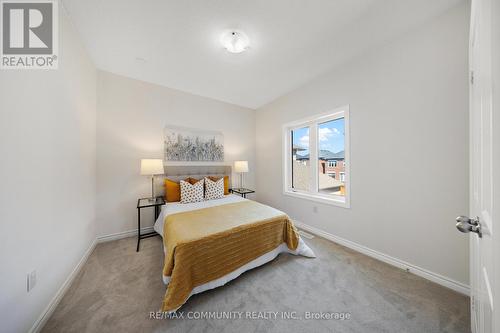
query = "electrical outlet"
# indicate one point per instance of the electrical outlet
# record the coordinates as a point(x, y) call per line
point(31, 279)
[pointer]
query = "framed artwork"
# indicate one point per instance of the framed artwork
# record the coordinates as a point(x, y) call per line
point(185, 144)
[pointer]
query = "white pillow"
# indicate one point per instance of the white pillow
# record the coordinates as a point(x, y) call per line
point(214, 190)
point(191, 193)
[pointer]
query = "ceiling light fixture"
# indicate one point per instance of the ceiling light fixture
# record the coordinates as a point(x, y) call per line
point(234, 41)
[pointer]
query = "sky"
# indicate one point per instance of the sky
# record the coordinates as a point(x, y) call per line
point(331, 136)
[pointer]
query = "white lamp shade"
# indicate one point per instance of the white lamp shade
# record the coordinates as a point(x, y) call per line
point(151, 167)
point(241, 166)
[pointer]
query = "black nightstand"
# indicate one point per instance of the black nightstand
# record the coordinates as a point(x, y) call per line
point(144, 203)
point(241, 191)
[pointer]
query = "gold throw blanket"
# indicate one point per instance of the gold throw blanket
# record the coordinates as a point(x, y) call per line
point(206, 244)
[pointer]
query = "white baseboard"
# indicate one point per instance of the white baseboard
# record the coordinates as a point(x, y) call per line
point(122, 234)
point(42, 320)
point(422, 272)
point(434, 277)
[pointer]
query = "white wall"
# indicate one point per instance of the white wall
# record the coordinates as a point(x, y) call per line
point(48, 177)
point(409, 147)
point(131, 118)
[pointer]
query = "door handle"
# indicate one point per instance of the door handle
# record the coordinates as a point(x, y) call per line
point(465, 224)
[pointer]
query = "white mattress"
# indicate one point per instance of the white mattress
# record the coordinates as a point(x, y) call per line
point(176, 207)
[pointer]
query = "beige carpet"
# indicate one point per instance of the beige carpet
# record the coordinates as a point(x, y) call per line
point(118, 288)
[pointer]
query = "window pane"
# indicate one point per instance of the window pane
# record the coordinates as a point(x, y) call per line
point(331, 147)
point(301, 166)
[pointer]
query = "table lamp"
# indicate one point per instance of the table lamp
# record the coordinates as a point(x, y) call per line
point(151, 167)
point(241, 167)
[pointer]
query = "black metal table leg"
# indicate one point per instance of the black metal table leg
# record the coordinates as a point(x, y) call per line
point(143, 203)
point(138, 228)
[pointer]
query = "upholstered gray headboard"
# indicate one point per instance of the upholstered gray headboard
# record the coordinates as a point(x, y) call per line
point(178, 172)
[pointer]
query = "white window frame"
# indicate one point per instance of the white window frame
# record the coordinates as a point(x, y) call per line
point(332, 164)
point(312, 123)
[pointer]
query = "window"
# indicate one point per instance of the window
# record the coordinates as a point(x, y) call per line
point(332, 164)
point(311, 146)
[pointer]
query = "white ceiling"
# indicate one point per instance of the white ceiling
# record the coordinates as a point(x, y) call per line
point(176, 43)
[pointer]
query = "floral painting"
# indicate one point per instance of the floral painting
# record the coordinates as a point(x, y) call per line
point(184, 144)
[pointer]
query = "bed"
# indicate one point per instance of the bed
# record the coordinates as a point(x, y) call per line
point(210, 243)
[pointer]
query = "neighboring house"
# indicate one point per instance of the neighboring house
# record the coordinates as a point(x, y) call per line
point(331, 164)
point(331, 169)
point(296, 149)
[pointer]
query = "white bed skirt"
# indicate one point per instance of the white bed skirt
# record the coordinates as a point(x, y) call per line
point(174, 207)
point(302, 249)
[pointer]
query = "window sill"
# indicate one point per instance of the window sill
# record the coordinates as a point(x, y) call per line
point(344, 203)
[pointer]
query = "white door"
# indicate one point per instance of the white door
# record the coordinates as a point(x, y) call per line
point(484, 168)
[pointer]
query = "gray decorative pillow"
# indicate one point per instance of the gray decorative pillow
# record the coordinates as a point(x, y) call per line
point(191, 193)
point(214, 190)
